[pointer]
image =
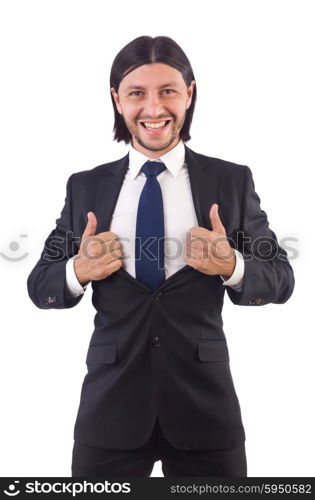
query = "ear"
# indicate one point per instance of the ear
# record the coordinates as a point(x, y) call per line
point(116, 99)
point(190, 91)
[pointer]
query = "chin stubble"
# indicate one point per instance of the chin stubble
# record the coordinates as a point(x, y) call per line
point(152, 148)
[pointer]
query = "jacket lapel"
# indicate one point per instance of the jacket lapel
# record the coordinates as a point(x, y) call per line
point(204, 182)
point(107, 192)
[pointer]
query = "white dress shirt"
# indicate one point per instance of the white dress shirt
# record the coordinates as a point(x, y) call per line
point(179, 216)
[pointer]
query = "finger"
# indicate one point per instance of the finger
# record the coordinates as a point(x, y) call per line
point(108, 255)
point(114, 266)
point(191, 262)
point(111, 246)
point(216, 222)
point(90, 228)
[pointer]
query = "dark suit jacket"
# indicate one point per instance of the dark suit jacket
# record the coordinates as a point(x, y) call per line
point(163, 353)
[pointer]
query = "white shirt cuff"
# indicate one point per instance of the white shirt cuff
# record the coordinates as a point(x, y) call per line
point(72, 281)
point(236, 280)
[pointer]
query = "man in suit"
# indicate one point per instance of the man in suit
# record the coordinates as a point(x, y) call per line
point(160, 234)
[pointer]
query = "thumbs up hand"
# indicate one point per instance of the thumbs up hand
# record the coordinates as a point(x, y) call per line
point(99, 255)
point(209, 251)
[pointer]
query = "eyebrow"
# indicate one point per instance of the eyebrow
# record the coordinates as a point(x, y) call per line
point(171, 84)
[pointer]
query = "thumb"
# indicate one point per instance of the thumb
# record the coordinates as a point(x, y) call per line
point(90, 228)
point(216, 223)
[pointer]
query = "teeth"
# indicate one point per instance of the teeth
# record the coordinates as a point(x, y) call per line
point(154, 125)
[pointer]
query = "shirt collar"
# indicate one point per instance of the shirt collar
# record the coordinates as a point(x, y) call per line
point(173, 160)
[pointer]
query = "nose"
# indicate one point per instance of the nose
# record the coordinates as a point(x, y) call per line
point(153, 106)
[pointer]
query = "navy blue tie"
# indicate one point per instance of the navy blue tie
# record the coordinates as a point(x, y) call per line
point(149, 249)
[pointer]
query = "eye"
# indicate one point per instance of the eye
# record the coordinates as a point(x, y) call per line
point(135, 92)
point(168, 90)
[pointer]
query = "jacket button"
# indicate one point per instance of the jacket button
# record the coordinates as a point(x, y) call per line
point(156, 341)
point(256, 301)
point(157, 295)
point(50, 300)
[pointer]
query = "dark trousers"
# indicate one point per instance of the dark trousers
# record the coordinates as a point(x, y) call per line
point(88, 461)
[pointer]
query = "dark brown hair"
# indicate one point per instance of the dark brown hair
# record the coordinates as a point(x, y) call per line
point(149, 50)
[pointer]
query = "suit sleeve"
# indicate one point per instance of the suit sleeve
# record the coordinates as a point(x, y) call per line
point(46, 283)
point(268, 275)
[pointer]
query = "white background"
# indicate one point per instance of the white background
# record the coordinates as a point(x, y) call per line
point(254, 67)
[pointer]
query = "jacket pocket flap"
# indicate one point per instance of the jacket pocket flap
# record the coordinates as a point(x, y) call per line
point(213, 350)
point(100, 354)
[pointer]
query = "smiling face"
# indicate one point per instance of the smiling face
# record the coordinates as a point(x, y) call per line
point(156, 95)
